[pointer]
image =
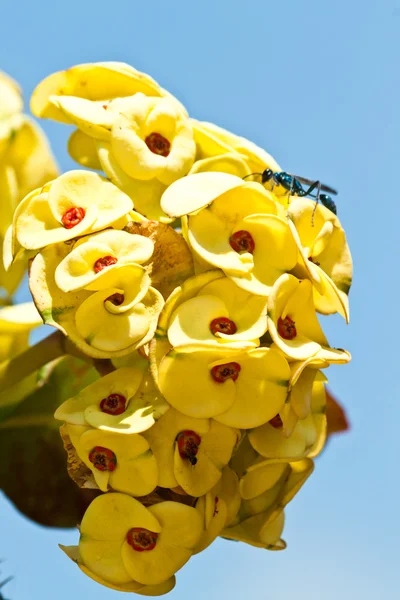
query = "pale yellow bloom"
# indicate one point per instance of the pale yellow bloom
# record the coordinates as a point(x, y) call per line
point(190, 452)
point(110, 541)
point(325, 255)
point(124, 401)
point(239, 388)
point(211, 309)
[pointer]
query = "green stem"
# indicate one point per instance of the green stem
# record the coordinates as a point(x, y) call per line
point(14, 370)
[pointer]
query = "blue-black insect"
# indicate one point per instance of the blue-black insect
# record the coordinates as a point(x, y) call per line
point(293, 184)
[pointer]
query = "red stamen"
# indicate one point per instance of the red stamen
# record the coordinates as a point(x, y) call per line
point(73, 217)
point(223, 325)
point(102, 263)
point(216, 506)
point(114, 404)
point(287, 328)
point(103, 459)
point(141, 540)
point(188, 445)
point(276, 422)
point(242, 241)
point(117, 299)
point(221, 373)
point(158, 144)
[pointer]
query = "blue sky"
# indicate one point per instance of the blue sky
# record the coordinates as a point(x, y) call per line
point(317, 85)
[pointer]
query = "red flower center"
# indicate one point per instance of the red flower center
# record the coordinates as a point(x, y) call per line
point(242, 241)
point(188, 445)
point(141, 540)
point(103, 262)
point(223, 325)
point(287, 328)
point(103, 459)
point(158, 144)
point(73, 217)
point(114, 404)
point(276, 422)
point(221, 373)
point(117, 299)
point(216, 506)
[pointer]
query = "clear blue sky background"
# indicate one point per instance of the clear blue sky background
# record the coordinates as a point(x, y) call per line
point(317, 85)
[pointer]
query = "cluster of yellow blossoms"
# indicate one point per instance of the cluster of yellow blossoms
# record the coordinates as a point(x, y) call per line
point(26, 163)
point(214, 404)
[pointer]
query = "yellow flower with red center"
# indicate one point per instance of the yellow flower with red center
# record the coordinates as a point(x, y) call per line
point(293, 323)
point(326, 257)
point(116, 314)
point(74, 204)
point(190, 452)
point(211, 309)
point(307, 435)
point(124, 401)
point(124, 463)
point(93, 256)
point(122, 541)
point(235, 226)
point(239, 388)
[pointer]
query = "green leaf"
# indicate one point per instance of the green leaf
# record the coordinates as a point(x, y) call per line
point(33, 470)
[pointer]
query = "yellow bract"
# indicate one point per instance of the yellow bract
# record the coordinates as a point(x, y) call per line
point(93, 81)
point(105, 551)
point(144, 405)
point(78, 269)
point(326, 258)
point(186, 380)
point(213, 452)
point(26, 162)
point(135, 469)
point(228, 209)
point(112, 321)
point(213, 141)
point(302, 436)
point(99, 202)
point(191, 309)
point(10, 97)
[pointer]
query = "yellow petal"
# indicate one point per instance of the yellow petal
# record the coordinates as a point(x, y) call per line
point(194, 192)
point(82, 149)
point(181, 531)
point(261, 389)
point(94, 81)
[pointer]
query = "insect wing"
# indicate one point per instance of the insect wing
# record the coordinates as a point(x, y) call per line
point(324, 188)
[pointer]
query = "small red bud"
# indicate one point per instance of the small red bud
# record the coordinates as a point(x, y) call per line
point(114, 404)
point(103, 459)
point(141, 540)
point(188, 445)
point(223, 325)
point(73, 217)
point(158, 144)
point(276, 422)
point(221, 373)
point(242, 241)
point(102, 263)
point(287, 328)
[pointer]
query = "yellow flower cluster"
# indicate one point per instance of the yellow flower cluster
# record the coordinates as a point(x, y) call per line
point(26, 163)
point(210, 420)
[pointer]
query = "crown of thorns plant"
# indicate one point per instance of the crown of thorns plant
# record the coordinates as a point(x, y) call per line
point(195, 290)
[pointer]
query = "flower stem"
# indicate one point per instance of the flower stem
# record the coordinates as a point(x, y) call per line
point(14, 370)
